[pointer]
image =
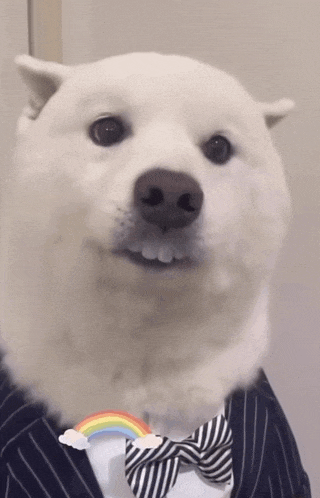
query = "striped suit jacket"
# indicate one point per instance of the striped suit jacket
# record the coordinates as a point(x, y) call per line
point(33, 464)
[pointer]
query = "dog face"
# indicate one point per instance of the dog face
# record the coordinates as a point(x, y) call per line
point(169, 162)
point(146, 209)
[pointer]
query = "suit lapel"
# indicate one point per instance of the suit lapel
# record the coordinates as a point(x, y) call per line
point(248, 416)
point(43, 467)
point(35, 460)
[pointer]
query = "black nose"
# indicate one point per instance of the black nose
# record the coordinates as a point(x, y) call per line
point(168, 199)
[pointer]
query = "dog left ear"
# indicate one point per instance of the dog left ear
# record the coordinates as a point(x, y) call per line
point(42, 79)
point(275, 111)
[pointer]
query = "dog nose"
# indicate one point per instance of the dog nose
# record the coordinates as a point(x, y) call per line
point(167, 198)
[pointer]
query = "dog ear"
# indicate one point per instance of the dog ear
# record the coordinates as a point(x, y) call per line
point(275, 111)
point(42, 79)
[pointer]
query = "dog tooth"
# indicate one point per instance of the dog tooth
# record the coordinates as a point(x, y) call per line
point(179, 254)
point(149, 252)
point(165, 254)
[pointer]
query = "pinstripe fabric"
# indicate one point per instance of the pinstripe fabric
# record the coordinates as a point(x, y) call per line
point(151, 473)
point(33, 464)
point(266, 462)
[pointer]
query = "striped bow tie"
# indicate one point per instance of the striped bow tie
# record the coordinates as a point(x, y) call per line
point(151, 473)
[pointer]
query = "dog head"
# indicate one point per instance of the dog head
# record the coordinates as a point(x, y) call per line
point(147, 208)
point(169, 161)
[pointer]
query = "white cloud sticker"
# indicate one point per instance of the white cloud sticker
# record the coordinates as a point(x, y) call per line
point(148, 441)
point(75, 439)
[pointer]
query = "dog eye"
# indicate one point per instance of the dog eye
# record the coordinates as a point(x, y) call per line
point(217, 149)
point(107, 131)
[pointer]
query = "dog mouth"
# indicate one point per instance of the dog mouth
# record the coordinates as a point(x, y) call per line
point(153, 250)
point(149, 247)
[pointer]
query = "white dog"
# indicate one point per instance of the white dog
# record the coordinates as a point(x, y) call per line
point(142, 220)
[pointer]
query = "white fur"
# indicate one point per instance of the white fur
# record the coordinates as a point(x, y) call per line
point(88, 330)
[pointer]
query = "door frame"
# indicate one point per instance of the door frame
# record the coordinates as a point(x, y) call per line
point(45, 29)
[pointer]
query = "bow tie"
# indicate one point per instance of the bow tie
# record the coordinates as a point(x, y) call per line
point(151, 473)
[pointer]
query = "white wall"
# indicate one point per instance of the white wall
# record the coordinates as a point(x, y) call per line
point(273, 47)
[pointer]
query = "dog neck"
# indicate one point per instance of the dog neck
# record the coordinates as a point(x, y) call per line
point(137, 345)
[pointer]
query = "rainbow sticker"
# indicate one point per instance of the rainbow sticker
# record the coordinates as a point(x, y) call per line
point(114, 423)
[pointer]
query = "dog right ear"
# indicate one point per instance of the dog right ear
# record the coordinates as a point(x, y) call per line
point(42, 79)
point(273, 112)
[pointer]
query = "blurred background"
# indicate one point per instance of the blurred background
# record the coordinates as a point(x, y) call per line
point(273, 48)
